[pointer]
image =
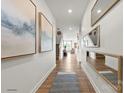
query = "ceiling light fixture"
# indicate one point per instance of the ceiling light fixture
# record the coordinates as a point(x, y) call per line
point(69, 11)
point(70, 28)
point(99, 11)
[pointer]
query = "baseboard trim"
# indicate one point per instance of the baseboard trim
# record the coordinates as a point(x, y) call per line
point(42, 80)
point(97, 80)
point(91, 81)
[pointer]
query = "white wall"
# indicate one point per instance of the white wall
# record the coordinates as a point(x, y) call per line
point(26, 73)
point(111, 38)
point(70, 34)
point(92, 55)
point(111, 29)
point(111, 62)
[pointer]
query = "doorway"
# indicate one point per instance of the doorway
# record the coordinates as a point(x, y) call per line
point(68, 44)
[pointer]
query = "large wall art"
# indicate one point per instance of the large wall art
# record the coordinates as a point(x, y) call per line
point(101, 7)
point(92, 39)
point(18, 28)
point(46, 34)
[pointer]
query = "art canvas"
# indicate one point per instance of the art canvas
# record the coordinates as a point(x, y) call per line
point(17, 28)
point(92, 39)
point(46, 34)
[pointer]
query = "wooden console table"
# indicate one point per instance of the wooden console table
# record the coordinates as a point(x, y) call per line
point(120, 68)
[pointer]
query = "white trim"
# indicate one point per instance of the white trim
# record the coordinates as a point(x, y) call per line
point(97, 80)
point(90, 79)
point(42, 80)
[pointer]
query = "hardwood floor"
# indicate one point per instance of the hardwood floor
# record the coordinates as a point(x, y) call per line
point(68, 64)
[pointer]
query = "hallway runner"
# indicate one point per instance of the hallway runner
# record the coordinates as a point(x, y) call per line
point(65, 82)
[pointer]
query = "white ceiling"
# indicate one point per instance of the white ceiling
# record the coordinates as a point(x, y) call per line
point(65, 20)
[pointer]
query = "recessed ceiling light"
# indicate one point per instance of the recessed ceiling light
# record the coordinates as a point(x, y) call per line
point(69, 11)
point(70, 28)
point(99, 11)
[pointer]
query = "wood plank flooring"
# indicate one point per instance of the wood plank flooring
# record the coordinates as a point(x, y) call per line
point(68, 64)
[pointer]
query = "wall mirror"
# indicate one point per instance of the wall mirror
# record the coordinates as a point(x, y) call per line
point(92, 39)
point(100, 8)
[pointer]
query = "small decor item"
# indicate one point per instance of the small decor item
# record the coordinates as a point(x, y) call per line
point(46, 34)
point(18, 28)
point(100, 8)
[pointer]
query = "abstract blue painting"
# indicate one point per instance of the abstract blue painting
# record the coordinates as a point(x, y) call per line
point(17, 28)
point(46, 34)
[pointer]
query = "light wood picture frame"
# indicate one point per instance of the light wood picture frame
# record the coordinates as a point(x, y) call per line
point(100, 8)
point(45, 34)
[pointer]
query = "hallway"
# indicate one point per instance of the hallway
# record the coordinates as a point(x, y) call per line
point(34, 34)
point(68, 64)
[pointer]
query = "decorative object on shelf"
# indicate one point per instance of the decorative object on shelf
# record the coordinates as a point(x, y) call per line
point(92, 39)
point(18, 28)
point(46, 34)
point(100, 8)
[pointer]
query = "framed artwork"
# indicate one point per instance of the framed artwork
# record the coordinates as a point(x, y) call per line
point(92, 39)
point(46, 34)
point(100, 8)
point(18, 28)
